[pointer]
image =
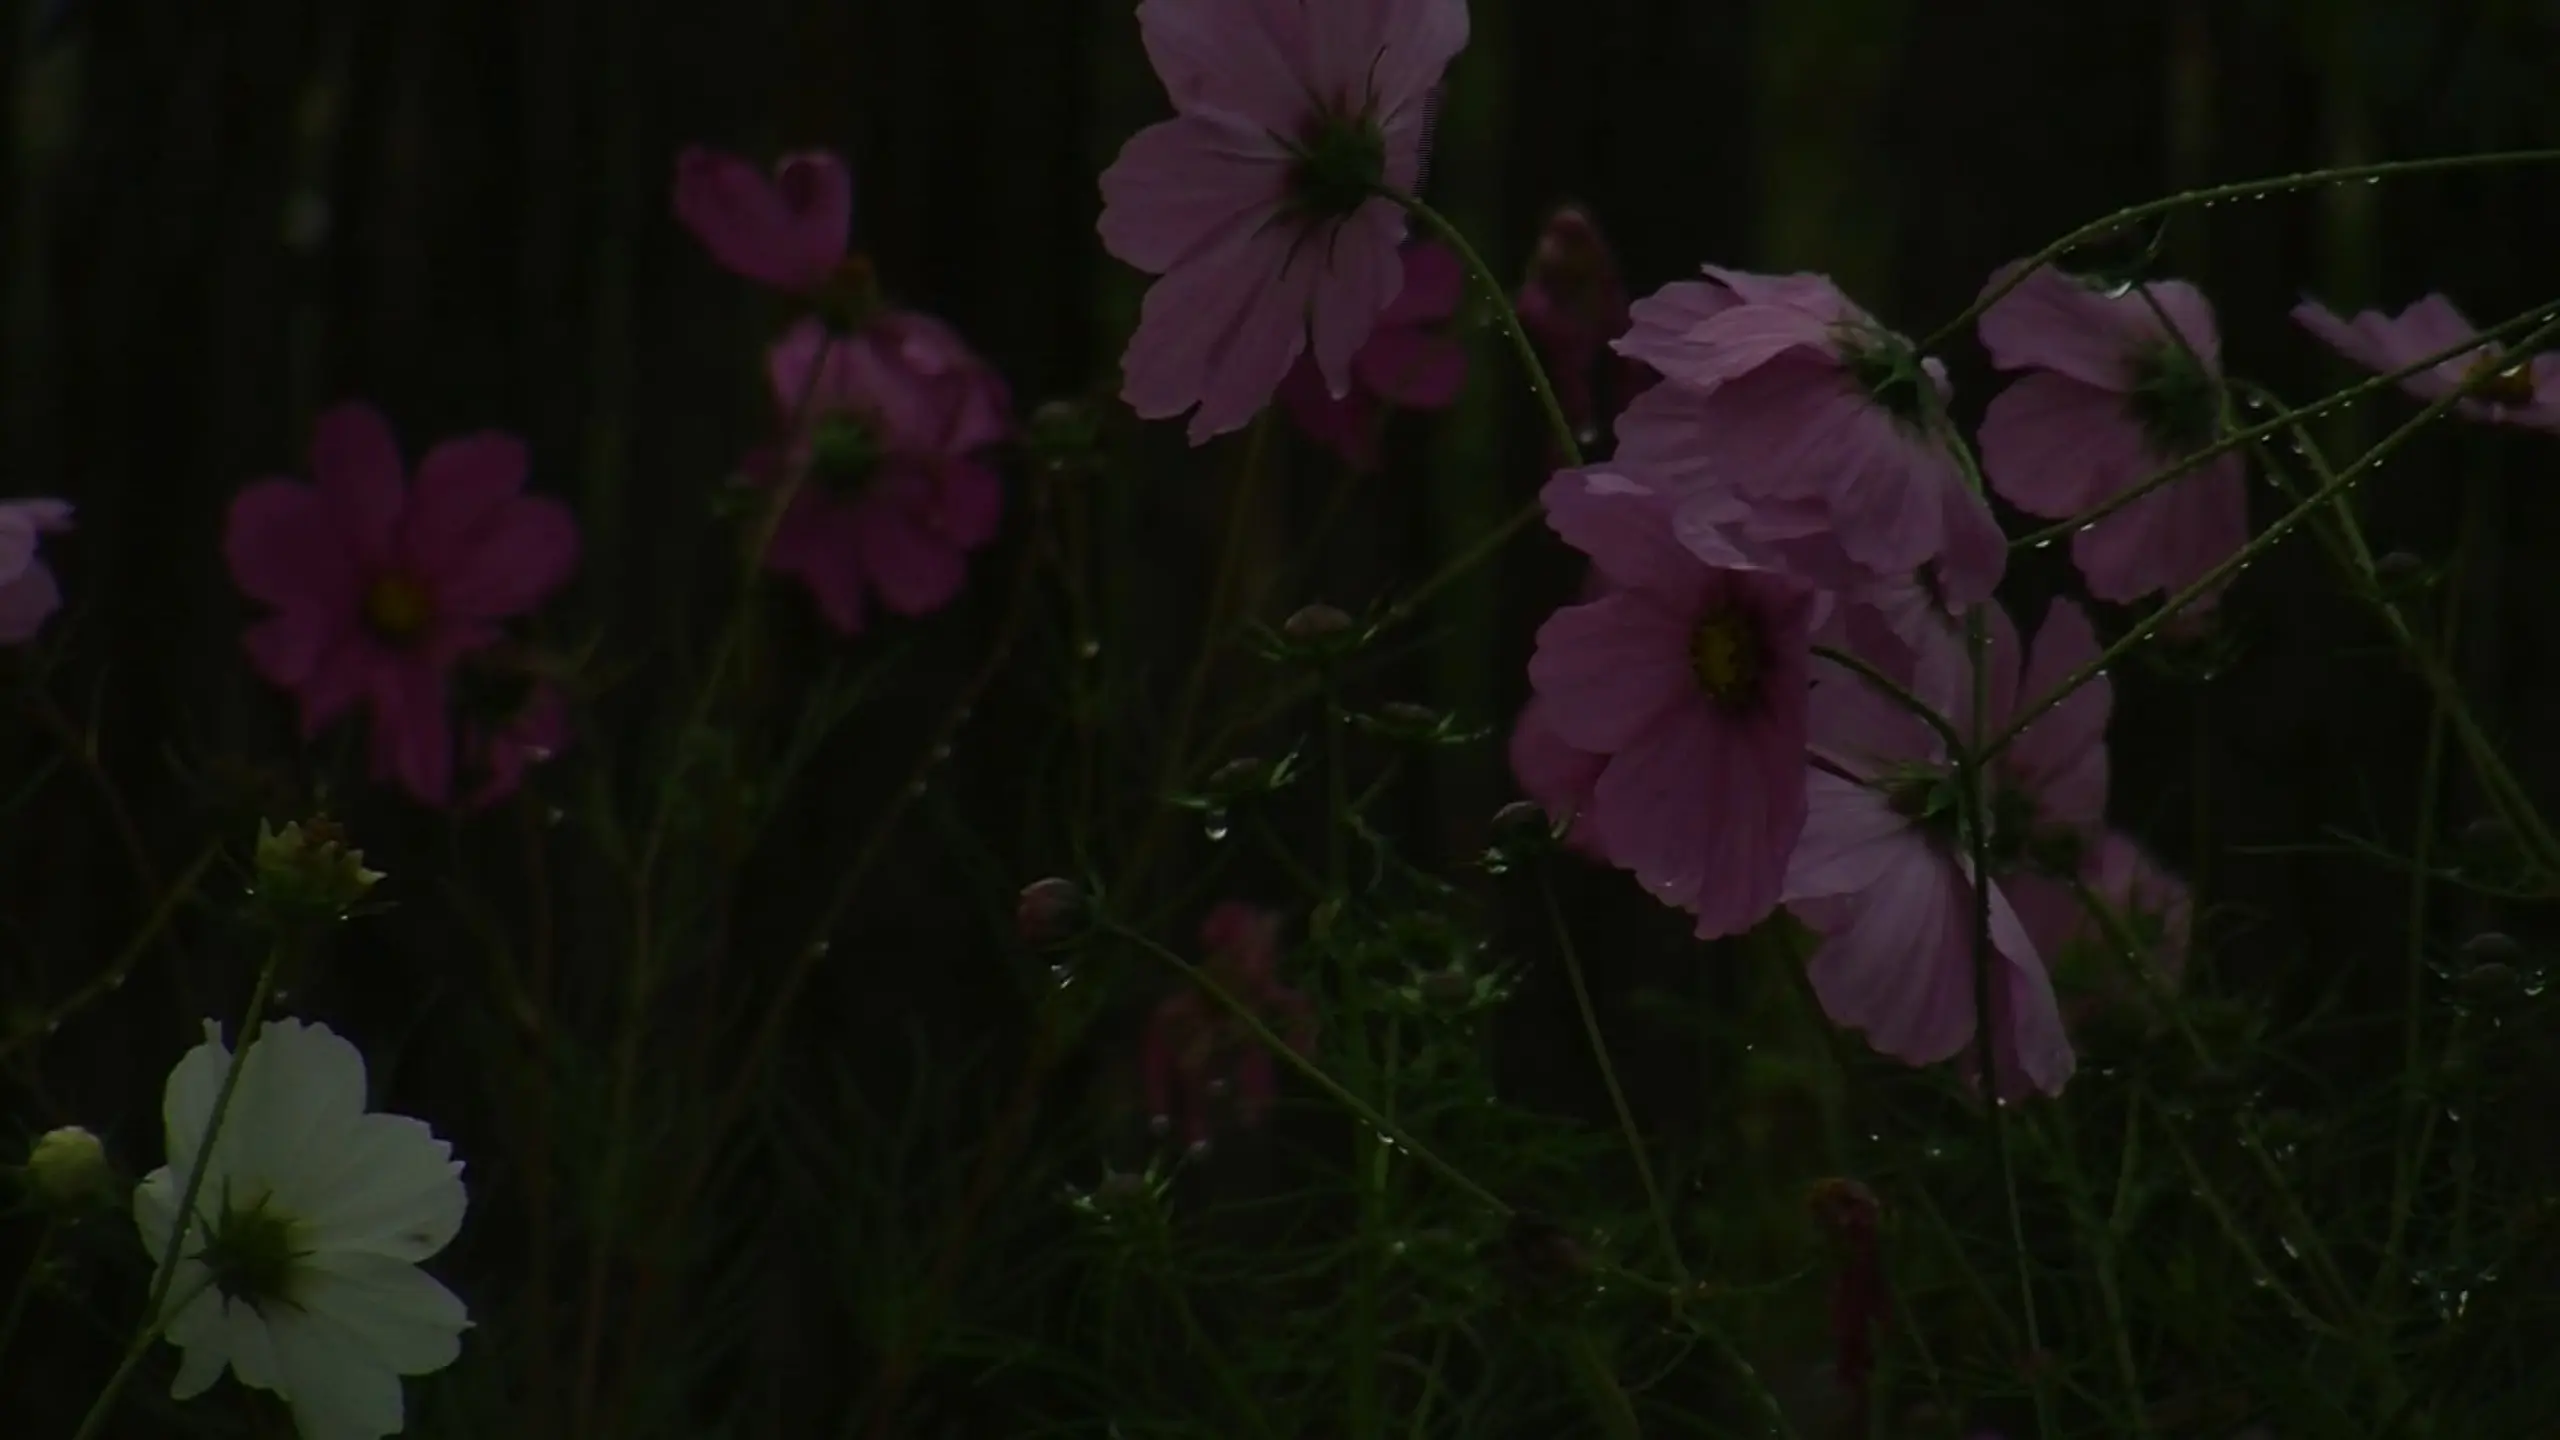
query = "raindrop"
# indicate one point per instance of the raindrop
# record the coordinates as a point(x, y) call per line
point(537, 754)
point(1088, 648)
point(1197, 1150)
point(2044, 544)
point(940, 752)
point(2287, 1242)
point(915, 789)
point(818, 949)
point(554, 815)
point(1158, 1125)
point(1062, 976)
point(1218, 1088)
point(1214, 825)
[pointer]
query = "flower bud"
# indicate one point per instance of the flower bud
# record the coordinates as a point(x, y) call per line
point(1049, 912)
point(1316, 622)
point(307, 872)
point(68, 1167)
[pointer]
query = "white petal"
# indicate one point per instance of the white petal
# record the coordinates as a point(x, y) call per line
point(389, 1187)
point(155, 1214)
point(300, 1092)
point(337, 1391)
point(187, 1100)
point(197, 1332)
point(251, 1344)
point(400, 1316)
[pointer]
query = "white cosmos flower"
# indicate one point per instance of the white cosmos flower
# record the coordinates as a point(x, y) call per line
point(300, 1274)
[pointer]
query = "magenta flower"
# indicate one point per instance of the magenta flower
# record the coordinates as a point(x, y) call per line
point(790, 230)
point(1557, 776)
point(2111, 397)
point(28, 592)
point(2515, 391)
point(1832, 429)
point(1410, 361)
point(1193, 1055)
point(896, 490)
point(1573, 305)
point(1690, 676)
point(1885, 873)
point(380, 585)
point(1258, 203)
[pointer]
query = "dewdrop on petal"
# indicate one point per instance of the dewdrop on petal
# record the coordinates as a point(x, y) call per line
point(68, 1168)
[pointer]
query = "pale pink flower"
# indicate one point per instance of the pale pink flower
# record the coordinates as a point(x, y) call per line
point(2520, 390)
point(380, 585)
point(28, 592)
point(2147, 906)
point(1573, 304)
point(1690, 675)
point(1791, 407)
point(1886, 876)
point(1258, 204)
point(1193, 1055)
point(1411, 362)
point(2114, 395)
point(790, 229)
point(897, 489)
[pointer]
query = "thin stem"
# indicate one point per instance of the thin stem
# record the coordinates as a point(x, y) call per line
point(2239, 190)
point(1972, 790)
point(165, 1273)
point(1609, 1402)
point(2029, 712)
point(2241, 437)
point(1447, 231)
point(1263, 1035)
point(1609, 1077)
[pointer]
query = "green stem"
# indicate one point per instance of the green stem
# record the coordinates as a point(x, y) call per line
point(2215, 194)
point(1252, 1024)
point(2030, 711)
point(1447, 231)
point(1609, 1078)
point(1609, 1402)
point(2244, 437)
point(1972, 789)
point(166, 1273)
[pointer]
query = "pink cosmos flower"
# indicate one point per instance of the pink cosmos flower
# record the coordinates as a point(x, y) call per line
point(1557, 776)
point(1193, 1055)
point(380, 585)
point(1409, 362)
point(1793, 408)
point(2112, 396)
point(1573, 305)
point(1258, 203)
point(2518, 391)
point(2147, 905)
point(1886, 877)
point(789, 229)
point(896, 489)
point(28, 592)
point(1689, 674)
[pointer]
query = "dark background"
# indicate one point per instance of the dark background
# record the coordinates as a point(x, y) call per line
point(224, 217)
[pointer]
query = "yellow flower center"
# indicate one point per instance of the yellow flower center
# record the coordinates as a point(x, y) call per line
point(1724, 654)
point(397, 609)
